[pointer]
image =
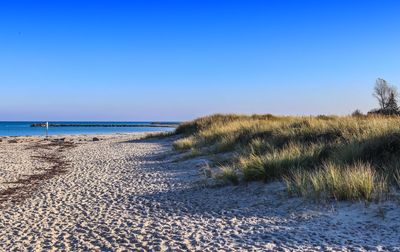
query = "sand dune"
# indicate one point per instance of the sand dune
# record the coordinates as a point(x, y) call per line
point(122, 193)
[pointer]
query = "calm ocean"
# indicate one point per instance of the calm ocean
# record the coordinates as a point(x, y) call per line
point(25, 129)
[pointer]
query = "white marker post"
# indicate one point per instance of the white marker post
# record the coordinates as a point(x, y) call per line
point(47, 129)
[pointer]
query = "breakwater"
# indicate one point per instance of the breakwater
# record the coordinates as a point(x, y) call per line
point(156, 125)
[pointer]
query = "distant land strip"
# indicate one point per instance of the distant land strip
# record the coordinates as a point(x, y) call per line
point(156, 125)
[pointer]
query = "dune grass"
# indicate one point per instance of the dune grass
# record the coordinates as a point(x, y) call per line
point(184, 143)
point(228, 175)
point(358, 181)
point(161, 134)
point(346, 158)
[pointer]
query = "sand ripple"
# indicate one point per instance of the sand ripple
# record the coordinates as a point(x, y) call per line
point(124, 194)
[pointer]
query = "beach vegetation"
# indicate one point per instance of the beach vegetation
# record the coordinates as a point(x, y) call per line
point(183, 144)
point(162, 134)
point(228, 174)
point(339, 157)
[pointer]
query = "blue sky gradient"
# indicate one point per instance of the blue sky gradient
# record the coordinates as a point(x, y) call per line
point(176, 60)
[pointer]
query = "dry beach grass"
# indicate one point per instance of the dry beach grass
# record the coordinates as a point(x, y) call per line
point(128, 193)
point(346, 158)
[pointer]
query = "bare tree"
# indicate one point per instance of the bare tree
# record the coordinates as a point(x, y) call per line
point(383, 91)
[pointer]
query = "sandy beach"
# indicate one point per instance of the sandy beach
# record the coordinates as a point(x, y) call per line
point(122, 193)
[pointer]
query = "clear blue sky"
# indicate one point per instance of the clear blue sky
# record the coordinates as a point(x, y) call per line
point(176, 60)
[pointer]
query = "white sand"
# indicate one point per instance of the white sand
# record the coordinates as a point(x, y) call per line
point(125, 194)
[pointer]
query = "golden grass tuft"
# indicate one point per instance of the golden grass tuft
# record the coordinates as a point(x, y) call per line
point(228, 174)
point(162, 134)
point(184, 143)
point(352, 182)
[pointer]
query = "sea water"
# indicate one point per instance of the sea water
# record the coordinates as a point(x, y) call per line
point(25, 129)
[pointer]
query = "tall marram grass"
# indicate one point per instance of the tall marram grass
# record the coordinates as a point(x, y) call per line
point(325, 156)
point(355, 182)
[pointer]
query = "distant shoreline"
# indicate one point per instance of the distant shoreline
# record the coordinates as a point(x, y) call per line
point(156, 125)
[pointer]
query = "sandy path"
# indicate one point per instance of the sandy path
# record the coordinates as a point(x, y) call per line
point(126, 194)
